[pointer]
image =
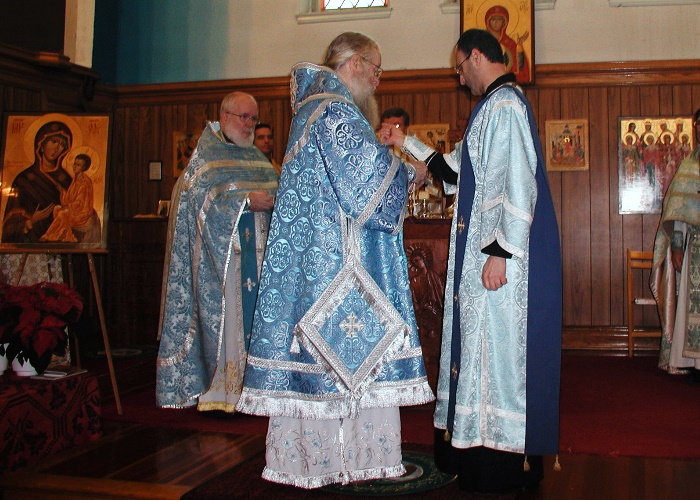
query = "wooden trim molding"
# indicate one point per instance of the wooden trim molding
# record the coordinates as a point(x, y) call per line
point(618, 73)
point(603, 338)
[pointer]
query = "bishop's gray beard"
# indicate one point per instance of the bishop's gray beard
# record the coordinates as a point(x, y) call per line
point(370, 108)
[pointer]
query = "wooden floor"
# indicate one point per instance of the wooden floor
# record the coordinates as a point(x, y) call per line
point(134, 461)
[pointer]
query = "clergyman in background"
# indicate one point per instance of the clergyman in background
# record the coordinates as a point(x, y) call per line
point(675, 276)
point(265, 142)
point(217, 233)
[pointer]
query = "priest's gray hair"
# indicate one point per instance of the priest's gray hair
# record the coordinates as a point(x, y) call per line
point(347, 45)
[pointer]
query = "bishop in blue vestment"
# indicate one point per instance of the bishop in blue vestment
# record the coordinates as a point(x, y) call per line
point(335, 348)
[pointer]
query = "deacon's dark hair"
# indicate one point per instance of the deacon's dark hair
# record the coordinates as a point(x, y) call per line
point(484, 42)
point(263, 125)
point(397, 113)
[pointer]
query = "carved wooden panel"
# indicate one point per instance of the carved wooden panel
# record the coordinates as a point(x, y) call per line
point(426, 242)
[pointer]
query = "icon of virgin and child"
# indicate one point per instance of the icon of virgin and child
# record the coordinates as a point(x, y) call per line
point(47, 203)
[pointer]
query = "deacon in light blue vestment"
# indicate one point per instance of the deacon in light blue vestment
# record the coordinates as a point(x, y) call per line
point(499, 368)
point(215, 246)
point(334, 333)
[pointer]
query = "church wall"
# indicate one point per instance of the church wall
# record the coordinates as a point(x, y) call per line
point(183, 40)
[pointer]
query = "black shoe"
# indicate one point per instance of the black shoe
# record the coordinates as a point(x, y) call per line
point(694, 377)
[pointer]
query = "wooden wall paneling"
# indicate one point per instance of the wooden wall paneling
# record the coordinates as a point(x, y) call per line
point(132, 160)
point(116, 163)
point(465, 105)
point(19, 99)
point(198, 114)
point(451, 114)
point(576, 244)
point(145, 153)
point(683, 101)
point(616, 252)
point(660, 99)
point(448, 113)
point(601, 234)
point(666, 100)
point(165, 150)
point(172, 121)
point(284, 123)
point(404, 101)
point(427, 108)
point(546, 106)
point(264, 110)
point(695, 98)
point(576, 223)
point(274, 112)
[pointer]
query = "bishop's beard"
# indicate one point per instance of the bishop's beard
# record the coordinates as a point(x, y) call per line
point(369, 106)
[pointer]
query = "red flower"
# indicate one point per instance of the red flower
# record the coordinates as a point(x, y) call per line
point(33, 319)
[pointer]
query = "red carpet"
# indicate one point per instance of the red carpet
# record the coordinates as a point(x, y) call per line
point(623, 406)
point(609, 406)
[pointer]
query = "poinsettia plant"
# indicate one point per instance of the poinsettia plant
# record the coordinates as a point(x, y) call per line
point(33, 320)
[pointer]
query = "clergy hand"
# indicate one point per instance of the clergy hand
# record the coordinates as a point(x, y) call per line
point(391, 135)
point(421, 171)
point(260, 201)
point(493, 276)
point(677, 260)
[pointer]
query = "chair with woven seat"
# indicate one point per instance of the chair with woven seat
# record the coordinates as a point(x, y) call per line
point(637, 260)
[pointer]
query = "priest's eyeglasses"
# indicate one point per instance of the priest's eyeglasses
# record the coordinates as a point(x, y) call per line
point(458, 68)
point(377, 72)
point(245, 117)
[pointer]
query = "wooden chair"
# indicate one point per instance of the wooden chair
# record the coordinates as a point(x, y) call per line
point(637, 260)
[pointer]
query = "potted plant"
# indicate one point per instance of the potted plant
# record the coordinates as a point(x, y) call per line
point(33, 321)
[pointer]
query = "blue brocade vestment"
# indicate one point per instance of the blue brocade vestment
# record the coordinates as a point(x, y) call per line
point(214, 243)
point(334, 331)
point(500, 360)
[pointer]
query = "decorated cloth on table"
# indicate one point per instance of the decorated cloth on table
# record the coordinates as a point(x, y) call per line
point(39, 418)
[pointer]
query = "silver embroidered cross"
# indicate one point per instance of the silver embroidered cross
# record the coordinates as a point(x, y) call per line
point(351, 325)
point(249, 284)
point(247, 234)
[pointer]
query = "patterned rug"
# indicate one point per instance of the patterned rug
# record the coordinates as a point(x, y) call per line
point(421, 475)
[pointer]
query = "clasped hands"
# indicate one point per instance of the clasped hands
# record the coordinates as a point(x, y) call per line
point(260, 201)
point(391, 135)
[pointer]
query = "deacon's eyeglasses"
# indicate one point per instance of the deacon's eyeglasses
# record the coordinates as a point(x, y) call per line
point(377, 72)
point(245, 117)
point(458, 68)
